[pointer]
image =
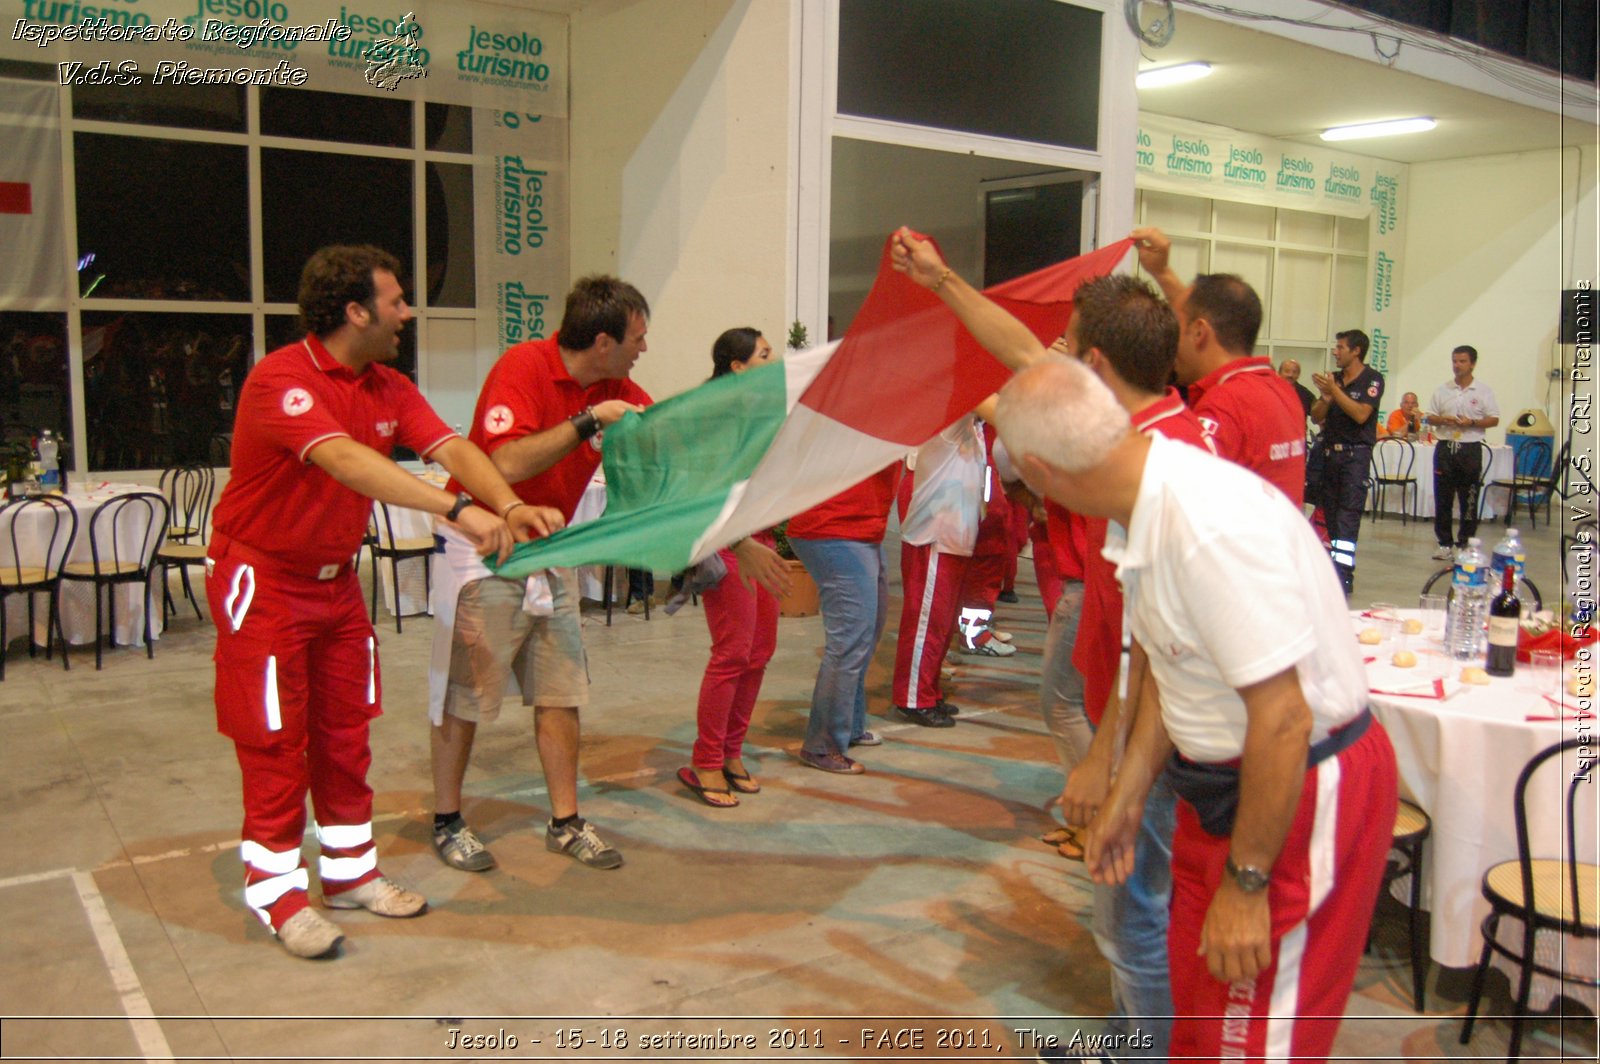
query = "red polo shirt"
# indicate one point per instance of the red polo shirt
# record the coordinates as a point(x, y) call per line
point(297, 397)
point(530, 391)
point(1099, 645)
point(859, 513)
point(1254, 418)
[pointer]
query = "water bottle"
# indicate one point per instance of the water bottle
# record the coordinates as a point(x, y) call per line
point(1469, 602)
point(1508, 552)
point(49, 464)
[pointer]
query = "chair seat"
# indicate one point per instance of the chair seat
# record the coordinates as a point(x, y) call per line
point(1551, 891)
point(182, 552)
point(86, 570)
point(27, 576)
point(415, 545)
point(181, 531)
point(1409, 821)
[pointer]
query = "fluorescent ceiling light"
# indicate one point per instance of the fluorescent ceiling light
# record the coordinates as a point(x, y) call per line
point(1379, 129)
point(1172, 75)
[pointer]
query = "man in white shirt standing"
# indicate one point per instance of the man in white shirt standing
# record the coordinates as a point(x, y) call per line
point(1462, 409)
point(1248, 683)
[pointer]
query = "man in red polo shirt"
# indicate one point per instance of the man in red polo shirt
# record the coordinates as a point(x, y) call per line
point(1251, 413)
point(297, 665)
point(539, 417)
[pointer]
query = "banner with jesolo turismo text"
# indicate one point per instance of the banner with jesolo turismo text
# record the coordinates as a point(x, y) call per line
point(520, 190)
point(1198, 159)
point(457, 52)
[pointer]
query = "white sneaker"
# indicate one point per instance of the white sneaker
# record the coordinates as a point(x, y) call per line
point(1443, 554)
point(1004, 637)
point(308, 934)
point(382, 896)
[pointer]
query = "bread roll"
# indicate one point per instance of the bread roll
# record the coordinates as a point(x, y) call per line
point(1411, 626)
point(1370, 637)
point(1473, 674)
point(1403, 659)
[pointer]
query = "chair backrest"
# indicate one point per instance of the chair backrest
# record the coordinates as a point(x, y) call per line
point(1393, 458)
point(127, 531)
point(38, 531)
point(1556, 483)
point(1532, 461)
point(1485, 459)
point(383, 526)
point(188, 490)
point(1531, 601)
point(1580, 774)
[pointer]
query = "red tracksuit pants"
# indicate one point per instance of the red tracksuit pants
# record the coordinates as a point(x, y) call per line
point(931, 583)
point(744, 633)
point(296, 688)
point(1322, 892)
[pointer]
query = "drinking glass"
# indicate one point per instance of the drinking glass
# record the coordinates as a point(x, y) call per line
point(1545, 669)
point(1433, 615)
point(1386, 619)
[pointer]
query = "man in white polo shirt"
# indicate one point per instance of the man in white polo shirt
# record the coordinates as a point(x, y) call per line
point(1462, 409)
point(1247, 679)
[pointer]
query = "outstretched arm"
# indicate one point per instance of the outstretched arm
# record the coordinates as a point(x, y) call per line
point(1001, 334)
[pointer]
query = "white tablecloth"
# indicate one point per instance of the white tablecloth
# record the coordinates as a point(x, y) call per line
point(1459, 759)
point(1495, 503)
point(413, 523)
point(77, 597)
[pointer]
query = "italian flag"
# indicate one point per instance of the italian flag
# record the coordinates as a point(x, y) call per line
point(746, 451)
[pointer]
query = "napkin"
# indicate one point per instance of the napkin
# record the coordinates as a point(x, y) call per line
point(1385, 679)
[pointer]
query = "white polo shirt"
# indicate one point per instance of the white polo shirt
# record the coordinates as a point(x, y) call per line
point(1226, 585)
point(1475, 401)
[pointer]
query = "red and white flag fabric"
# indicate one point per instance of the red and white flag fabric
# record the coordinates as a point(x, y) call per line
point(744, 452)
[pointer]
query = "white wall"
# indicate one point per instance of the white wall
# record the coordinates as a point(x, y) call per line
point(1491, 243)
point(680, 163)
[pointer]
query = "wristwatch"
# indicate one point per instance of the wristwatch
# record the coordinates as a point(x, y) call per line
point(1249, 878)
point(463, 500)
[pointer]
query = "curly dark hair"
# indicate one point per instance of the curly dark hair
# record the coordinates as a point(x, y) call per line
point(336, 276)
point(1132, 326)
point(596, 305)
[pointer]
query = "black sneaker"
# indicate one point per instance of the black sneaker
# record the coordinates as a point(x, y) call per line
point(928, 718)
point(949, 709)
point(1008, 596)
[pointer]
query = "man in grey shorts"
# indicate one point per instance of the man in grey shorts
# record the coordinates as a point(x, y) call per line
point(538, 418)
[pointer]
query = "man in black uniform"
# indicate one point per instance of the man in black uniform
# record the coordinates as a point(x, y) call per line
point(1347, 411)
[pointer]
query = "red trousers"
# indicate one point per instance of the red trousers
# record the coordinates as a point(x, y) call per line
point(296, 688)
point(931, 584)
point(744, 633)
point(1322, 892)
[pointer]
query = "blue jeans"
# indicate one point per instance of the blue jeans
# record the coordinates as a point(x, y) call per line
point(1130, 928)
point(854, 594)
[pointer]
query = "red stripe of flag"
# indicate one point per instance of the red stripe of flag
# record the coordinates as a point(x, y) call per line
point(906, 368)
point(16, 197)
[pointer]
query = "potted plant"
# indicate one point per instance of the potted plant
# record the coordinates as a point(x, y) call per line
point(801, 601)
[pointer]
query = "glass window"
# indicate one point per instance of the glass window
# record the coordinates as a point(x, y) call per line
point(1023, 69)
point(449, 127)
point(33, 376)
point(162, 219)
point(312, 199)
point(218, 107)
point(340, 116)
point(159, 387)
point(450, 243)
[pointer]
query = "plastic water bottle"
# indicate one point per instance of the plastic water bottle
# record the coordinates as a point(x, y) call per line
point(1469, 602)
point(49, 463)
point(1508, 552)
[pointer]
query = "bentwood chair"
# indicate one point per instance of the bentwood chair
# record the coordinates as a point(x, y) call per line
point(1411, 830)
point(1550, 895)
point(124, 535)
point(189, 490)
point(1393, 462)
point(1530, 483)
point(1527, 590)
point(384, 544)
point(34, 546)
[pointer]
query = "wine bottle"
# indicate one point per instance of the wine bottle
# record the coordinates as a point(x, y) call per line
point(1505, 624)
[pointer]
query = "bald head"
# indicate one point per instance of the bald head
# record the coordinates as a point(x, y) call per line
point(1059, 411)
point(1289, 369)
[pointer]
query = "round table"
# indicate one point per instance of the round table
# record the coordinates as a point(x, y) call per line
point(77, 597)
point(1459, 757)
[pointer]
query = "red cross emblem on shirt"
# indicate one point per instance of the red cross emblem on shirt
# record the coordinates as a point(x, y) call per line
point(497, 420)
point(296, 401)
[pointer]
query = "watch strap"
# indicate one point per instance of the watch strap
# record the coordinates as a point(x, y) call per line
point(463, 500)
point(1249, 878)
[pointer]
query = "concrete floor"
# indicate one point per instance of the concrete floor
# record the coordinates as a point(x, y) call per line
point(912, 900)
